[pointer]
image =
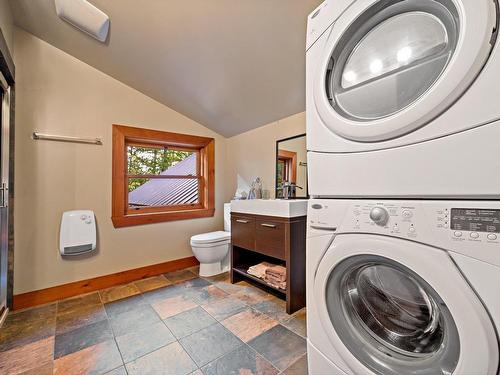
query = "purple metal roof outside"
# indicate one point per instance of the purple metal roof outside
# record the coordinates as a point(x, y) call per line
point(166, 192)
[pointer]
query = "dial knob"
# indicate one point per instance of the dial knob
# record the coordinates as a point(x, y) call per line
point(379, 215)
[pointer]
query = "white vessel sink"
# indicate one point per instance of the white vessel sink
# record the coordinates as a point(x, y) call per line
point(271, 207)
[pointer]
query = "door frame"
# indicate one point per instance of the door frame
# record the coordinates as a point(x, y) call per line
point(290, 160)
point(7, 68)
point(479, 351)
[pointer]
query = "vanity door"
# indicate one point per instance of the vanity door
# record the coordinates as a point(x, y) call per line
point(243, 231)
point(270, 237)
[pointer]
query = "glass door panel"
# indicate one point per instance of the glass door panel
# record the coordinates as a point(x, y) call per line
point(389, 58)
point(391, 319)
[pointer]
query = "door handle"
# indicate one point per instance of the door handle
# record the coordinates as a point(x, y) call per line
point(268, 225)
point(242, 221)
point(3, 189)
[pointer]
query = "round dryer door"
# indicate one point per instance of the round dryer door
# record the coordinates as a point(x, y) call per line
point(391, 66)
point(395, 307)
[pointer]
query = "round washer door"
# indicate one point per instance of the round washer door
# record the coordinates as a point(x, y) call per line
point(389, 67)
point(391, 307)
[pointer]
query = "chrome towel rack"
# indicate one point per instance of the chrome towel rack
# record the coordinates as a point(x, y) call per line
point(63, 138)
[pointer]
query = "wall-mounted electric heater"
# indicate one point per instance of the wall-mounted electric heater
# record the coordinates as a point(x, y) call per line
point(78, 233)
point(84, 16)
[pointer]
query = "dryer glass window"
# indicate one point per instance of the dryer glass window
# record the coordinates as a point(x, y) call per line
point(390, 57)
point(391, 319)
point(394, 44)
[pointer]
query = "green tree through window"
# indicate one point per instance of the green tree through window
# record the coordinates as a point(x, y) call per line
point(151, 161)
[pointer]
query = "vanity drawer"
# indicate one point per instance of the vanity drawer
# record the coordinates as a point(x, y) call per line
point(243, 232)
point(270, 238)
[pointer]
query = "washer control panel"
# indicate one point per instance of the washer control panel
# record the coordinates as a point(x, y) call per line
point(385, 217)
point(478, 224)
point(471, 228)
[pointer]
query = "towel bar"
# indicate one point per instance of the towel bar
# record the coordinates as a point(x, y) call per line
point(62, 138)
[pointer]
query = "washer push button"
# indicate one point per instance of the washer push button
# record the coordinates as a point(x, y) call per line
point(407, 214)
point(492, 236)
point(474, 235)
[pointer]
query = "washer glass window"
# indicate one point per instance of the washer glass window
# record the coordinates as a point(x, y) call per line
point(390, 319)
point(390, 57)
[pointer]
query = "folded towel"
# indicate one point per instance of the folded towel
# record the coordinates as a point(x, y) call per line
point(259, 270)
point(276, 270)
point(274, 279)
point(277, 273)
point(279, 285)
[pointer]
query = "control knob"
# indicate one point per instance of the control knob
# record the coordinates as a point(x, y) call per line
point(379, 215)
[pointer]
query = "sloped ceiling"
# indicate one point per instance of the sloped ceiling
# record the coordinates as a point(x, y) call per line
point(231, 65)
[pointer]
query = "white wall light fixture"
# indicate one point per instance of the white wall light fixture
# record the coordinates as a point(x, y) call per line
point(84, 16)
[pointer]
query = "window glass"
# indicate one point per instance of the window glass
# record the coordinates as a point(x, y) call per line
point(165, 164)
point(144, 192)
point(160, 160)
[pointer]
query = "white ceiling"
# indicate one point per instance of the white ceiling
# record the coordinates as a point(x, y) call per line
point(231, 65)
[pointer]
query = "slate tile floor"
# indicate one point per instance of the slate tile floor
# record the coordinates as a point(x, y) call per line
point(175, 323)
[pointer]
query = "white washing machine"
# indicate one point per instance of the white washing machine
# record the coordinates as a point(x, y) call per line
point(403, 99)
point(403, 287)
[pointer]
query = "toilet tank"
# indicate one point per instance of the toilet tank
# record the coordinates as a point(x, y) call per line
point(227, 217)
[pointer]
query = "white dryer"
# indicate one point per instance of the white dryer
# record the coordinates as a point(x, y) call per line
point(403, 287)
point(403, 98)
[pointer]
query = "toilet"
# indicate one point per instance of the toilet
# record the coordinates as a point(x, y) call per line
point(212, 249)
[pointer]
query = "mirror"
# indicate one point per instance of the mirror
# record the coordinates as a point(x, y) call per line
point(291, 167)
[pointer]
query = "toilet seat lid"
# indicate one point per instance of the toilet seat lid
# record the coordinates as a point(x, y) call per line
point(211, 237)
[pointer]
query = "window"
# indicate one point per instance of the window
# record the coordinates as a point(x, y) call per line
point(160, 176)
point(286, 169)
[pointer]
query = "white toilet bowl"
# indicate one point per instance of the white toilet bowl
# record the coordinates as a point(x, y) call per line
point(212, 249)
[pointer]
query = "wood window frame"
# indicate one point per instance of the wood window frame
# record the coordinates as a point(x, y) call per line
point(290, 160)
point(122, 215)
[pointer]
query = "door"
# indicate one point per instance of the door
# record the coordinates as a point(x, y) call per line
point(390, 67)
point(390, 306)
point(4, 196)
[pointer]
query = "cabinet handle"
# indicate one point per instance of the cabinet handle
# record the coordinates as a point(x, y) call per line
point(268, 225)
point(242, 221)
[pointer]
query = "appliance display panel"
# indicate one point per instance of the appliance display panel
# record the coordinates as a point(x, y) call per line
point(475, 220)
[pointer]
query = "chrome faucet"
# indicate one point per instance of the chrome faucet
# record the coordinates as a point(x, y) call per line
point(289, 190)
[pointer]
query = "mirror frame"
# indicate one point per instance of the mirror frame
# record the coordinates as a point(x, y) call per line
point(276, 167)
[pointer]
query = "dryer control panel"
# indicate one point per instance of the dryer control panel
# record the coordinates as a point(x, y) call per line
point(468, 227)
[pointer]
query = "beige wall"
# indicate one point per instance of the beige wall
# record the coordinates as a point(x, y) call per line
point(253, 153)
point(6, 23)
point(59, 94)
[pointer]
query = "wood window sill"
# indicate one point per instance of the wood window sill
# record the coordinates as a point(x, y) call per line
point(151, 218)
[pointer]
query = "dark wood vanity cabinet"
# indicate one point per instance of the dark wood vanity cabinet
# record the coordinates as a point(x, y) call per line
point(277, 240)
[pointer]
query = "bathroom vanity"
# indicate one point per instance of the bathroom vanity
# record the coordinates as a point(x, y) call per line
point(271, 231)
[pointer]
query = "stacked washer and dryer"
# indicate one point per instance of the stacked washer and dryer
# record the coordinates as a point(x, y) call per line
point(403, 132)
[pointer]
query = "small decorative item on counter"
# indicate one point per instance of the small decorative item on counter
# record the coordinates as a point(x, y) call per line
point(266, 194)
point(256, 189)
point(241, 189)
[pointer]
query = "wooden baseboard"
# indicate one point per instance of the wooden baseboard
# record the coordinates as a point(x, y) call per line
point(42, 296)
